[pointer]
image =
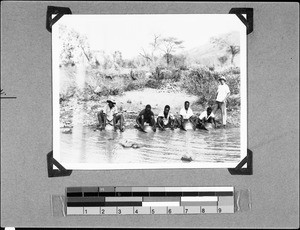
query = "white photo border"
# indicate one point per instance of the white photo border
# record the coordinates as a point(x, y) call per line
point(116, 166)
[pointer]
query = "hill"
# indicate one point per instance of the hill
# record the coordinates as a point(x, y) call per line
point(210, 54)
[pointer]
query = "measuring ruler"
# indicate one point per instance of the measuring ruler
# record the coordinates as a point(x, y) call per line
point(149, 200)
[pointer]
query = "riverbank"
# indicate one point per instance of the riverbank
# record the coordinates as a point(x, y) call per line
point(131, 103)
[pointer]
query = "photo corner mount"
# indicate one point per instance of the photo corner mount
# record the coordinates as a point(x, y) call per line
point(60, 171)
point(238, 170)
point(59, 11)
point(248, 21)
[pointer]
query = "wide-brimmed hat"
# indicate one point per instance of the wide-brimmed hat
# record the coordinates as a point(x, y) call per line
point(111, 100)
point(222, 77)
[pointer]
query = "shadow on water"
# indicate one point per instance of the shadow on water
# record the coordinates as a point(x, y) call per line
point(85, 145)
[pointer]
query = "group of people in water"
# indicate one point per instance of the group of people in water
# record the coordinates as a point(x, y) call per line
point(110, 114)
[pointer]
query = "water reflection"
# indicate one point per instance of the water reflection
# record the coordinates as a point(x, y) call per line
point(87, 145)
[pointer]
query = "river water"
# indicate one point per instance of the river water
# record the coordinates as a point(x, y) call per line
point(86, 145)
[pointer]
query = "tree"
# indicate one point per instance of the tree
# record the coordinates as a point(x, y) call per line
point(150, 56)
point(154, 47)
point(146, 55)
point(223, 59)
point(170, 45)
point(229, 46)
point(233, 50)
point(179, 61)
point(73, 46)
point(166, 45)
point(118, 59)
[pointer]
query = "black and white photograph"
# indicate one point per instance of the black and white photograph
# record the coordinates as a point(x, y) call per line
point(149, 91)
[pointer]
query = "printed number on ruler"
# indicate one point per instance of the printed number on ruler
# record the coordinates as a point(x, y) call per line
point(149, 200)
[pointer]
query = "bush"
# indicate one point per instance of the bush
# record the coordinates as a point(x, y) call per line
point(115, 91)
point(138, 82)
point(230, 70)
point(234, 101)
point(152, 83)
point(166, 74)
point(233, 78)
point(133, 85)
point(233, 81)
point(223, 59)
point(211, 68)
point(201, 82)
point(68, 93)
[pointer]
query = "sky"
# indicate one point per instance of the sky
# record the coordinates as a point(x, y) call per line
point(131, 33)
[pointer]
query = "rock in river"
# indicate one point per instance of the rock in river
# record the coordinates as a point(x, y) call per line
point(186, 158)
point(67, 131)
point(129, 144)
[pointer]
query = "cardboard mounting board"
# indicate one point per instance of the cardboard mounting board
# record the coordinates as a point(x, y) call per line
point(273, 122)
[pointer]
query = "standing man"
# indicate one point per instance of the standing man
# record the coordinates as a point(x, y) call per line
point(111, 116)
point(222, 95)
point(165, 119)
point(186, 114)
point(146, 115)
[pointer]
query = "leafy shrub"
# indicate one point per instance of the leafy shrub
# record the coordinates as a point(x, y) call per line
point(201, 82)
point(223, 59)
point(211, 68)
point(153, 83)
point(230, 70)
point(67, 93)
point(233, 82)
point(115, 91)
point(234, 101)
point(166, 74)
point(133, 85)
point(176, 74)
point(233, 78)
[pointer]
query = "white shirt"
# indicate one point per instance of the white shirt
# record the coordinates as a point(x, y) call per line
point(186, 114)
point(204, 115)
point(110, 112)
point(166, 120)
point(223, 90)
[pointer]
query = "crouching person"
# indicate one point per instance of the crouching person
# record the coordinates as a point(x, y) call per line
point(109, 115)
point(206, 117)
point(187, 115)
point(146, 116)
point(165, 119)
